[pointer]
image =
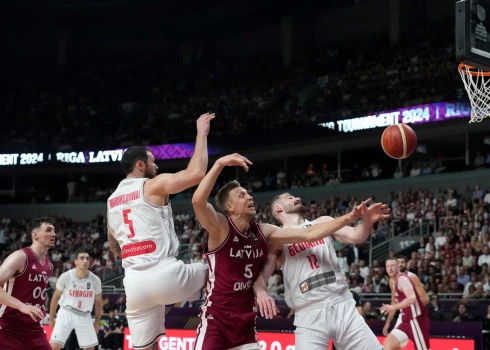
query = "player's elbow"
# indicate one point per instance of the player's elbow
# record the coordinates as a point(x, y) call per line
point(194, 177)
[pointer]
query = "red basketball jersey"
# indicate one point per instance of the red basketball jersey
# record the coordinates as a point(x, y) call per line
point(414, 310)
point(29, 287)
point(234, 267)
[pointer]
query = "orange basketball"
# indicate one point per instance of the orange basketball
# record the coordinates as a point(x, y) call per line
point(399, 141)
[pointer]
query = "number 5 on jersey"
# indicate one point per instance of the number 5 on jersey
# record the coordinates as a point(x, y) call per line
point(248, 271)
point(128, 222)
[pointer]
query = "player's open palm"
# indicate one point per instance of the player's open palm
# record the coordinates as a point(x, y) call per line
point(35, 313)
point(267, 306)
point(235, 160)
point(376, 212)
point(358, 211)
point(204, 123)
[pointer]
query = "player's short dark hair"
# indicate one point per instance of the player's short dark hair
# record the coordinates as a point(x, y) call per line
point(271, 204)
point(131, 156)
point(36, 223)
point(223, 193)
point(81, 251)
point(402, 257)
point(391, 258)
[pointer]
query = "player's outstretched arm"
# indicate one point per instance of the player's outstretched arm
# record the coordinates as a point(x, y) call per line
point(360, 233)
point(406, 287)
point(15, 263)
point(215, 223)
point(165, 184)
point(267, 305)
point(312, 233)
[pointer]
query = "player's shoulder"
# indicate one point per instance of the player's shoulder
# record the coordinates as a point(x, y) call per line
point(19, 255)
point(95, 277)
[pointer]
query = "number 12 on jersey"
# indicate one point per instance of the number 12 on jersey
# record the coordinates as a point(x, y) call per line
point(313, 261)
point(128, 222)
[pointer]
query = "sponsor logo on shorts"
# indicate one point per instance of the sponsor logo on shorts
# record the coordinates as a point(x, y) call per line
point(304, 287)
point(139, 248)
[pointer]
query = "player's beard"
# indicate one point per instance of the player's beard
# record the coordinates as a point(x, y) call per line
point(148, 173)
point(403, 269)
point(296, 209)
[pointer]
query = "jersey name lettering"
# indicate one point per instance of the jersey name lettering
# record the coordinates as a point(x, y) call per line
point(246, 254)
point(81, 293)
point(124, 198)
point(296, 248)
point(38, 278)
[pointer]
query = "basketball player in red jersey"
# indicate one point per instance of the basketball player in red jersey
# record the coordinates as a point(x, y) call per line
point(24, 276)
point(415, 324)
point(235, 253)
point(402, 262)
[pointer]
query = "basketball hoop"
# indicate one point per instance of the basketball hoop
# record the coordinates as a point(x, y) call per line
point(477, 84)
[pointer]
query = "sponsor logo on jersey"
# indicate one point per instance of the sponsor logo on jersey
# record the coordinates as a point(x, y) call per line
point(88, 285)
point(139, 248)
point(317, 281)
point(255, 239)
point(236, 239)
point(34, 266)
point(296, 248)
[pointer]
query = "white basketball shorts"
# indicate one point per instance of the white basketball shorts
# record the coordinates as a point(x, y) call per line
point(341, 322)
point(66, 321)
point(148, 291)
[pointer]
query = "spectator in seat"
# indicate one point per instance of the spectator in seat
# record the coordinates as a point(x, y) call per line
point(462, 313)
point(485, 257)
point(435, 309)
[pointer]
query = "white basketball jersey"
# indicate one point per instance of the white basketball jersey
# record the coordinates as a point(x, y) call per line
point(145, 232)
point(78, 295)
point(311, 273)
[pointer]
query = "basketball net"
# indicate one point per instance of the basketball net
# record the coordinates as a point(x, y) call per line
point(477, 84)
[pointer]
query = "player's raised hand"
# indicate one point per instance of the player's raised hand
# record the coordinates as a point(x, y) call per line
point(358, 210)
point(267, 306)
point(235, 160)
point(35, 313)
point(204, 124)
point(376, 212)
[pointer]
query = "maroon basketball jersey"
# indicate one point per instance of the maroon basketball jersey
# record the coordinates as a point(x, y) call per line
point(29, 287)
point(234, 267)
point(414, 310)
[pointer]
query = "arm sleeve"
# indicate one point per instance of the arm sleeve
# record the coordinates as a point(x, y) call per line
point(63, 281)
point(97, 285)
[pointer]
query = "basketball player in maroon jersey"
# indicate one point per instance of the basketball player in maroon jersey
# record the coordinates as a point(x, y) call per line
point(24, 276)
point(415, 324)
point(235, 252)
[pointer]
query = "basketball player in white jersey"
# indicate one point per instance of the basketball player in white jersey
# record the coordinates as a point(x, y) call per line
point(141, 229)
point(77, 290)
point(402, 263)
point(314, 284)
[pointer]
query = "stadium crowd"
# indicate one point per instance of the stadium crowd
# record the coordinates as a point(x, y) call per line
point(77, 108)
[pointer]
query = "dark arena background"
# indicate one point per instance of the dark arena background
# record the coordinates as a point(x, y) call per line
point(303, 90)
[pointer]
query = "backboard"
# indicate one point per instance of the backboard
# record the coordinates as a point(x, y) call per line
point(473, 33)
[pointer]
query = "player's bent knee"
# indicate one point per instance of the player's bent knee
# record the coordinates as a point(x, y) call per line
point(391, 343)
